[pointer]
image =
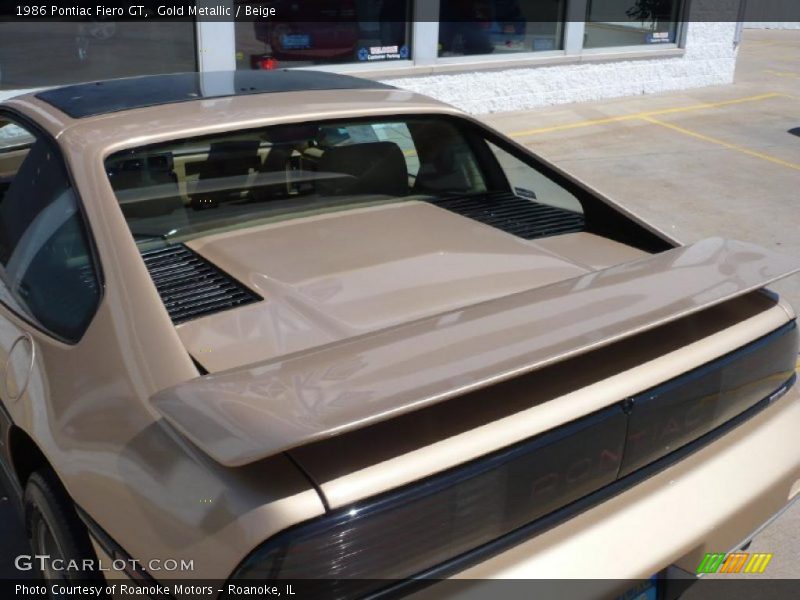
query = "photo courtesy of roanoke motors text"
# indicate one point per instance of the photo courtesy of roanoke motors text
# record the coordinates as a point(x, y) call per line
point(341, 299)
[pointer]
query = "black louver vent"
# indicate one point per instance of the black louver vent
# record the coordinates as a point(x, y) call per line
point(192, 287)
point(515, 215)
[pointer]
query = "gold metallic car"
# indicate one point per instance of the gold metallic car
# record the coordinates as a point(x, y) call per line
point(298, 326)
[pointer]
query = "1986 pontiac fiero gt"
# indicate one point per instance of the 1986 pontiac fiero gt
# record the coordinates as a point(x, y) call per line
point(295, 325)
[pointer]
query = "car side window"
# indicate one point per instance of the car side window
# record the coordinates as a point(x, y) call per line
point(47, 273)
point(530, 183)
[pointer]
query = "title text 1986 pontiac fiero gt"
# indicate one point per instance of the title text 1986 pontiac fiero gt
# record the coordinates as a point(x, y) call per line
point(300, 326)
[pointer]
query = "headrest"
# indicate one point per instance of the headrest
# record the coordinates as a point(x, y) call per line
point(373, 168)
point(232, 158)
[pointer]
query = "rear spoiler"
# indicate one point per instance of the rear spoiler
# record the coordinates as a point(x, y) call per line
point(246, 414)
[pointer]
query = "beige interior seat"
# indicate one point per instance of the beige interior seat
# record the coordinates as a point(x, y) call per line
point(369, 168)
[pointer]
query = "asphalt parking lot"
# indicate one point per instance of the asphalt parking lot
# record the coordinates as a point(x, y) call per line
point(715, 161)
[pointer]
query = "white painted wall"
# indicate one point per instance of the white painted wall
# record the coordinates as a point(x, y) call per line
point(710, 59)
point(770, 25)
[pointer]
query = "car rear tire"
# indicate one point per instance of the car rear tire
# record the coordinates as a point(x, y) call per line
point(55, 529)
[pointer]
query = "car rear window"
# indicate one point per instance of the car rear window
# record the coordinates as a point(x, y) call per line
point(186, 188)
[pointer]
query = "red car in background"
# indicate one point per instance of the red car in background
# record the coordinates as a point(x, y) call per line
point(314, 30)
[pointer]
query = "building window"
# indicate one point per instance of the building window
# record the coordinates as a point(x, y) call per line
point(631, 22)
point(57, 53)
point(469, 27)
point(360, 31)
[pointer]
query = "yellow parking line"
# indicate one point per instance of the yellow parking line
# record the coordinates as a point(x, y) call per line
point(577, 125)
point(646, 114)
point(724, 144)
point(789, 74)
point(706, 105)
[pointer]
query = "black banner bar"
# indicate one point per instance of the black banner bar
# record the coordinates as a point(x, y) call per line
point(724, 588)
point(343, 11)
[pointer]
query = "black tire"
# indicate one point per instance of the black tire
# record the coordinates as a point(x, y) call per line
point(55, 529)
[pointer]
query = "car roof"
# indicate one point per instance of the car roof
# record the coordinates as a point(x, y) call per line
point(281, 97)
point(152, 108)
point(115, 95)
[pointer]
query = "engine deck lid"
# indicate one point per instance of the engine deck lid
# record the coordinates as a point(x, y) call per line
point(245, 414)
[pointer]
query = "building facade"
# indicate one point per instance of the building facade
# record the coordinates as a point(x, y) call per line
point(480, 55)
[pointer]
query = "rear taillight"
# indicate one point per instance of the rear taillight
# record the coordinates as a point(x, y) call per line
point(358, 550)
